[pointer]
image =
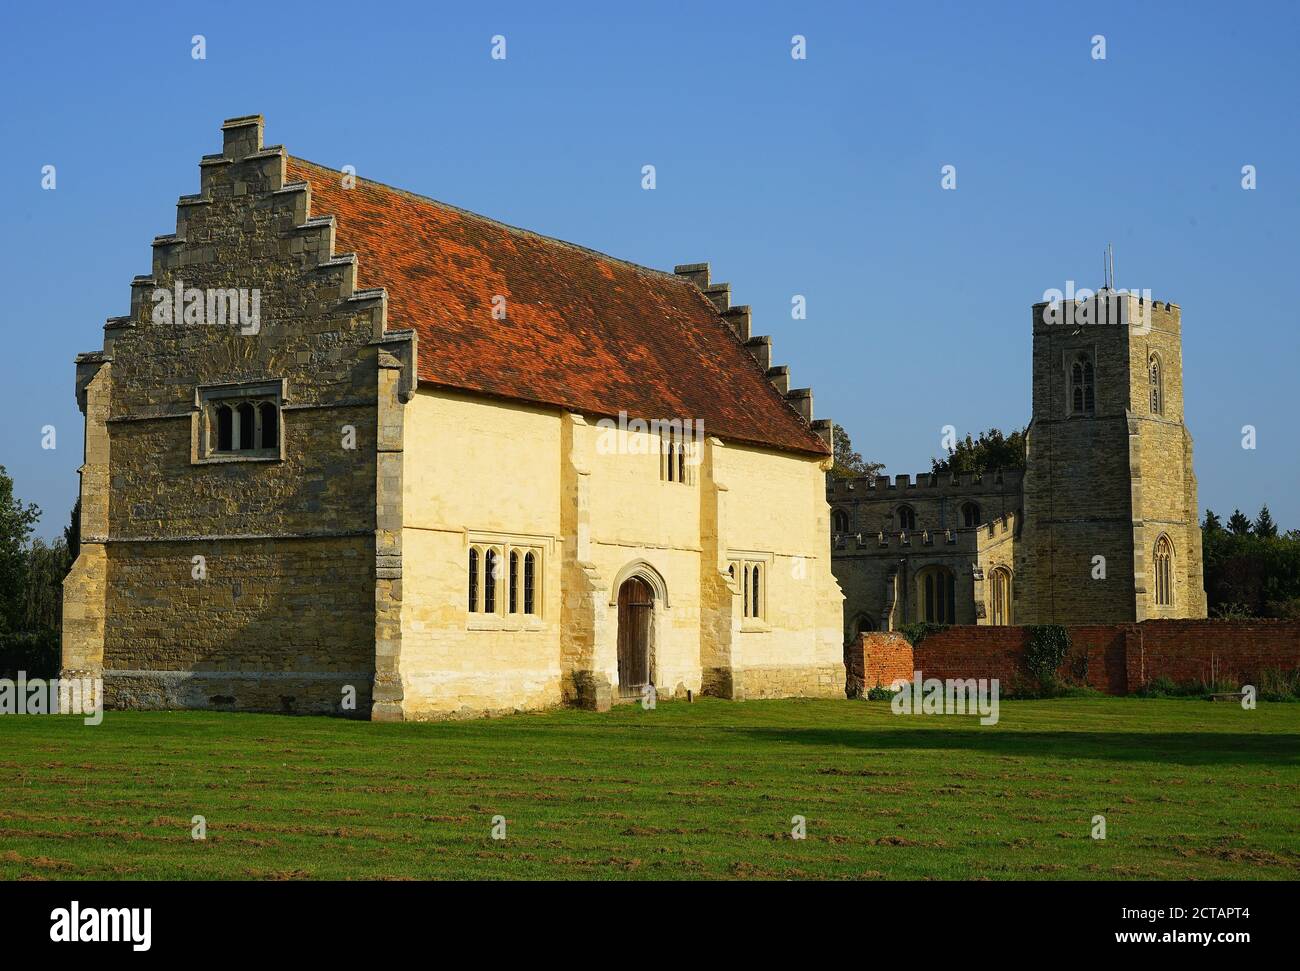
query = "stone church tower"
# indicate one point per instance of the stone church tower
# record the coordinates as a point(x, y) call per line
point(1101, 526)
point(1109, 469)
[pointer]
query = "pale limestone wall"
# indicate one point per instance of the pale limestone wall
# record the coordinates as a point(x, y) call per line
point(600, 510)
point(638, 517)
point(783, 653)
point(997, 549)
point(485, 470)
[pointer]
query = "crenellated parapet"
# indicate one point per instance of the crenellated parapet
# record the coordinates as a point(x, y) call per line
point(928, 483)
point(740, 321)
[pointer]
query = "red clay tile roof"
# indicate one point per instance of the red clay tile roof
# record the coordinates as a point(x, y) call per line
point(584, 331)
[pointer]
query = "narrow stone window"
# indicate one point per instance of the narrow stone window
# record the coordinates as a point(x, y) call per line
point(756, 601)
point(1157, 391)
point(1082, 390)
point(970, 514)
point(245, 431)
point(936, 589)
point(514, 582)
point(225, 428)
point(1164, 572)
point(473, 580)
point(906, 519)
point(490, 571)
point(840, 522)
point(745, 587)
point(530, 583)
point(268, 418)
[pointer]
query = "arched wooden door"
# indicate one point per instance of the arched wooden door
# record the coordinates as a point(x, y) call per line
point(635, 608)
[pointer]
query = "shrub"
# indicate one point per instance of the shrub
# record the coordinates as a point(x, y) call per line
point(1046, 650)
point(1274, 684)
point(919, 631)
point(880, 693)
point(36, 653)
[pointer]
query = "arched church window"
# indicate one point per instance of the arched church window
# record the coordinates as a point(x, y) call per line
point(530, 583)
point(936, 589)
point(1082, 390)
point(906, 518)
point(840, 521)
point(970, 514)
point(473, 580)
point(1001, 599)
point(1164, 572)
point(1157, 390)
point(490, 571)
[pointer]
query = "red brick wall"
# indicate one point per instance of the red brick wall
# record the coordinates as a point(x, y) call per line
point(877, 658)
point(1235, 652)
point(1121, 657)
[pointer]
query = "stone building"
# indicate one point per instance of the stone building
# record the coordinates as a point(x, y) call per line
point(353, 449)
point(1102, 524)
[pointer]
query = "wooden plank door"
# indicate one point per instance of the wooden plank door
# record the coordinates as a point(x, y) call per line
point(635, 605)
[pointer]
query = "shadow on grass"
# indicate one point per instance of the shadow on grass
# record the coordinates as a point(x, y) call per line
point(1185, 748)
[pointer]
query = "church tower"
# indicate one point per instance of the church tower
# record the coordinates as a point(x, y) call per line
point(1112, 520)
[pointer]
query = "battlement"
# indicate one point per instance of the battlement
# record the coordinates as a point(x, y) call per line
point(928, 483)
point(997, 527)
point(740, 320)
point(1102, 308)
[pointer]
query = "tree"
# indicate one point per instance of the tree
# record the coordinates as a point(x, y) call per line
point(47, 565)
point(1212, 522)
point(990, 452)
point(1250, 570)
point(849, 464)
point(16, 522)
point(72, 533)
point(1238, 524)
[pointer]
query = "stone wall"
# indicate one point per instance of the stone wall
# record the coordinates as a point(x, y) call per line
point(234, 580)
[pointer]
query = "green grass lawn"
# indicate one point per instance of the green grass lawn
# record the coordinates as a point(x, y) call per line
point(1189, 789)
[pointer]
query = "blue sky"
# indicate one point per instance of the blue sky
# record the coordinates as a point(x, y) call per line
point(818, 177)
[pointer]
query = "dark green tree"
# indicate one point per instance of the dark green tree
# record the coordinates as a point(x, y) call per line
point(988, 453)
point(1212, 521)
point(16, 523)
point(1238, 523)
point(1265, 528)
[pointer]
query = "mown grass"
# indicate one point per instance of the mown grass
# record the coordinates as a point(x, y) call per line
point(707, 790)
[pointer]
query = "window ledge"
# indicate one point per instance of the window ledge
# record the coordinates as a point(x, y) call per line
point(252, 456)
point(754, 627)
point(497, 622)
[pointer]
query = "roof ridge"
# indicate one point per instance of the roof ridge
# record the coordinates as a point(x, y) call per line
point(641, 267)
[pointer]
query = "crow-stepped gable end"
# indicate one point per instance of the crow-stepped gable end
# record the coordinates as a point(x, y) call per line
point(356, 451)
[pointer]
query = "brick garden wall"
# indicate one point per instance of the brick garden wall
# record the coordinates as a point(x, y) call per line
point(1121, 657)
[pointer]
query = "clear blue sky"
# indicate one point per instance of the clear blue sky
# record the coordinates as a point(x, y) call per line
point(817, 177)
